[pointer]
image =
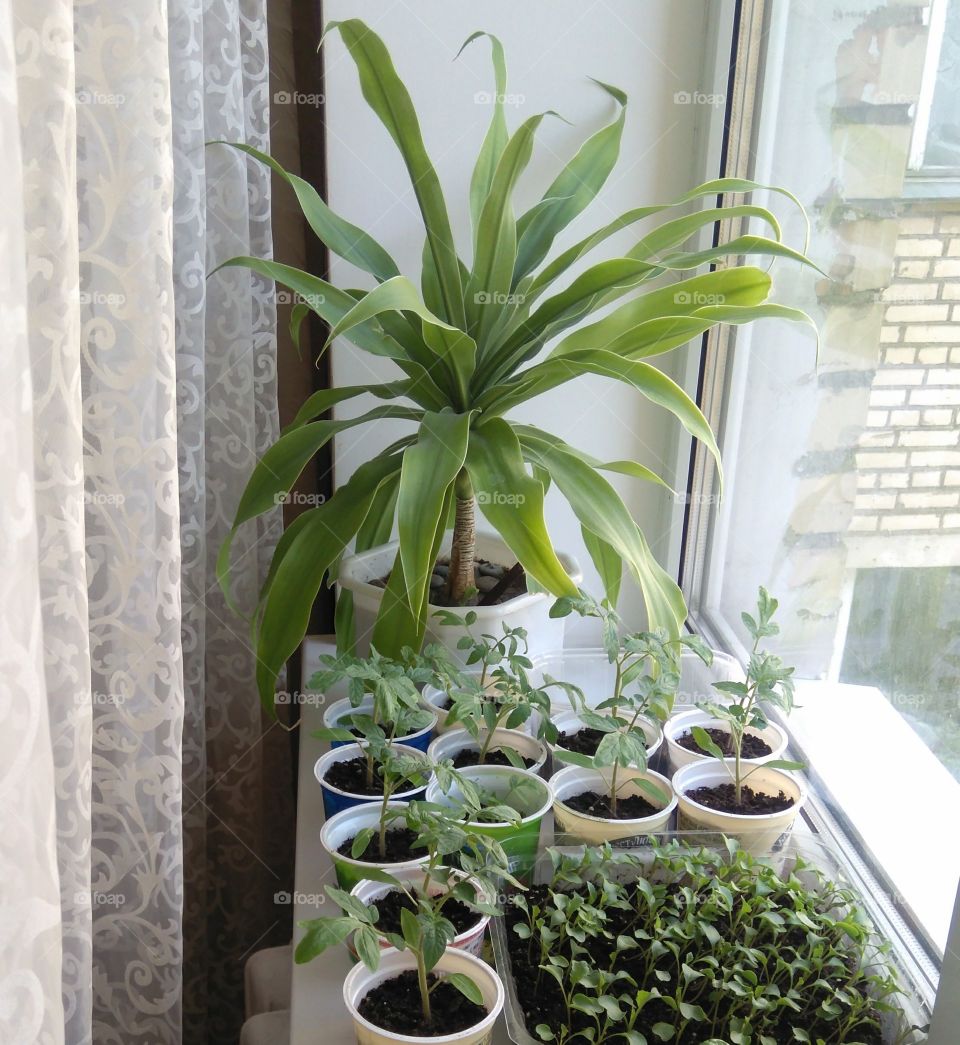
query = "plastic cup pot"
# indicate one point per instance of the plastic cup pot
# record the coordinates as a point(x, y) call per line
point(360, 981)
point(335, 799)
point(569, 722)
point(470, 940)
point(681, 723)
point(572, 827)
point(335, 714)
point(343, 828)
point(759, 834)
point(449, 745)
point(517, 788)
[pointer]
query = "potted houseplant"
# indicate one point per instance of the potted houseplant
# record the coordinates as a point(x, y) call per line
point(695, 945)
point(466, 346)
point(750, 800)
point(373, 771)
point(501, 801)
point(383, 698)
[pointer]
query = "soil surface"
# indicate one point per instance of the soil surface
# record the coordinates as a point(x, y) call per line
point(585, 740)
point(351, 776)
point(629, 807)
point(395, 1006)
point(471, 757)
point(400, 847)
point(723, 798)
point(487, 578)
point(541, 1001)
point(389, 907)
point(752, 747)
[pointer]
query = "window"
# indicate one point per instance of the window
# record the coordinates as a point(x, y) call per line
point(842, 491)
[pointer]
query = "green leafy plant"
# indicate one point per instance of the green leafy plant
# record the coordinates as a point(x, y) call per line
point(696, 945)
point(501, 693)
point(646, 679)
point(426, 931)
point(769, 682)
point(468, 348)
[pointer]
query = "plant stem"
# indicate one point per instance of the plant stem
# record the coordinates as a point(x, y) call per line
point(464, 544)
point(424, 988)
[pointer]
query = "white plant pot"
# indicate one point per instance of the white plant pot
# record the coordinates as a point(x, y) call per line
point(336, 800)
point(574, 828)
point(677, 725)
point(569, 722)
point(758, 835)
point(471, 940)
point(339, 709)
point(344, 826)
point(450, 744)
point(360, 980)
point(529, 611)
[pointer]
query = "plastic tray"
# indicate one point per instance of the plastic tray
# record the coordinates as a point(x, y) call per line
point(915, 1011)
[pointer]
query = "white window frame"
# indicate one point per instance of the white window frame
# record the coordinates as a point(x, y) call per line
point(754, 32)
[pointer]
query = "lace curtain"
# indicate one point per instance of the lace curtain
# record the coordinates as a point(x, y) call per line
point(135, 868)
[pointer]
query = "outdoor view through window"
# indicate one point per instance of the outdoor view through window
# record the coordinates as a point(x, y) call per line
point(843, 493)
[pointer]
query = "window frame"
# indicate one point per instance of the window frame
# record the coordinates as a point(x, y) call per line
point(758, 37)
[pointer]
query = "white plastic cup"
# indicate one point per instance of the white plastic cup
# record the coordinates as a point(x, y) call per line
point(335, 799)
point(449, 745)
point(360, 980)
point(759, 835)
point(678, 756)
point(339, 709)
point(470, 940)
point(344, 826)
point(574, 828)
point(569, 722)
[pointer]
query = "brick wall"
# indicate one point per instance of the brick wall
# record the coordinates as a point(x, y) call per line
point(908, 457)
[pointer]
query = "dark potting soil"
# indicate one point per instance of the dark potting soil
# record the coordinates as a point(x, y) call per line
point(585, 740)
point(541, 1000)
point(395, 1006)
point(471, 757)
point(390, 904)
point(399, 847)
point(752, 747)
point(629, 807)
point(351, 776)
point(487, 577)
point(723, 798)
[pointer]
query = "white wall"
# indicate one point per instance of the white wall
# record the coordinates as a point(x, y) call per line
point(651, 49)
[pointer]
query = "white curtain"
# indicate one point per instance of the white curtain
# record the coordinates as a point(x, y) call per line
point(134, 396)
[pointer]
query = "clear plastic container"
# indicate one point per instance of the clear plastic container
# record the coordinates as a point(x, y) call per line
point(594, 674)
point(813, 852)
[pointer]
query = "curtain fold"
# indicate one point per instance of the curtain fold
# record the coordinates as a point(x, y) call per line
point(136, 874)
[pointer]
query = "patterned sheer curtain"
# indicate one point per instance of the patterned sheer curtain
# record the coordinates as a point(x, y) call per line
point(136, 871)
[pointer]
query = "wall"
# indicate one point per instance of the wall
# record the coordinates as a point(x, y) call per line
point(650, 48)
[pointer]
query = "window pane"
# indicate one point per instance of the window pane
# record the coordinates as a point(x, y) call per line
point(843, 486)
point(943, 134)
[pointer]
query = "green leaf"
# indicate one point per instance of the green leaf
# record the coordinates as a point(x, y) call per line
point(608, 564)
point(321, 934)
point(367, 943)
point(321, 541)
point(348, 241)
point(488, 291)
point(495, 140)
point(429, 468)
point(512, 502)
point(571, 191)
point(387, 95)
point(706, 743)
point(320, 402)
point(465, 986)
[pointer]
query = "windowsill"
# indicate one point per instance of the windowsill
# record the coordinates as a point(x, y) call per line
point(905, 821)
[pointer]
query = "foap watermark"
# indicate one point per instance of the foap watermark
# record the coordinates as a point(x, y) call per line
point(500, 497)
point(493, 98)
point(497, 297)
point(697, 298)
point(297, 497)
point(284, 899)
point(98, 899)
point(287, 297)
point(298, 98)
point(682, 497)
point(88, 96)
point(108, 299)
point(715, 99)
point(287, 699)
point(101, 498)
point(100, 700)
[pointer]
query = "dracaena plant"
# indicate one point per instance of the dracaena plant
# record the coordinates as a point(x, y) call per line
point(769, 683)
point(474, 342)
